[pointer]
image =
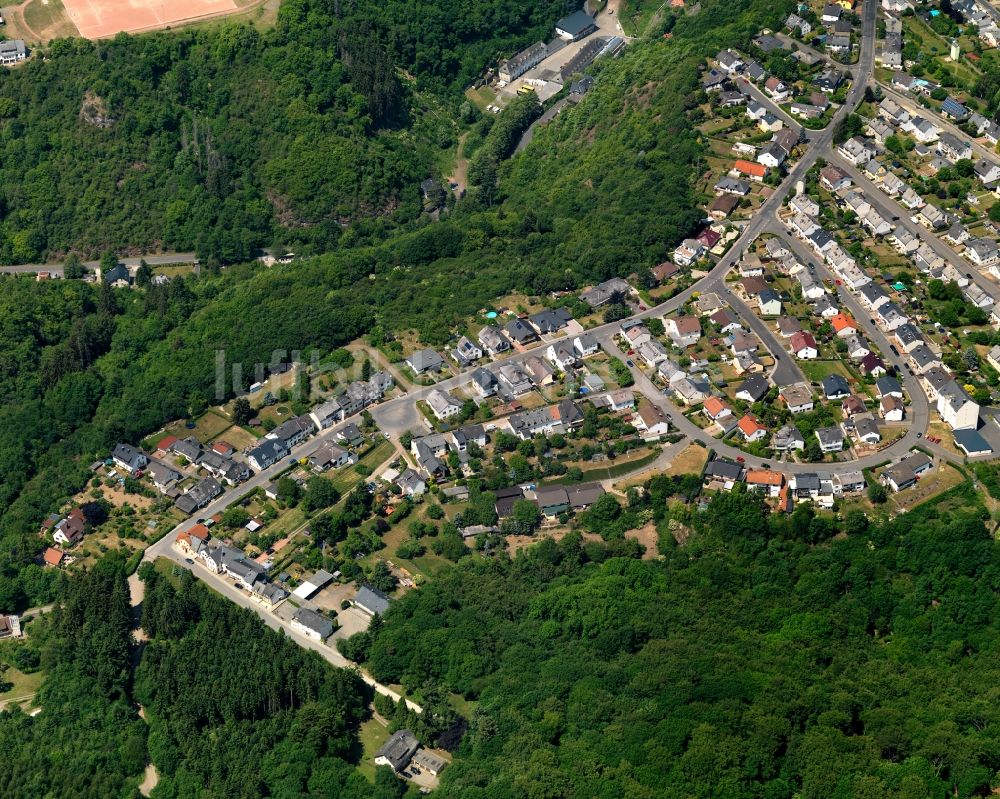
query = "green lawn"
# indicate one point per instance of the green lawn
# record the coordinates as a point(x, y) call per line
point(372, 735)
point(22, 684)
point(817, 370)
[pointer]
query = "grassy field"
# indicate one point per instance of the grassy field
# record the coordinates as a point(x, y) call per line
point(817, 370)
point(428, 564)
point(22, 685)
point(206, 427)
point(481, 97)
point(932, 484)
point(48, 20)
point(372, 734)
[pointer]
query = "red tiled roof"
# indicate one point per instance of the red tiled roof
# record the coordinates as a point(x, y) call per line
point(166, 442)
point(750, 168)
point(52, 556)
point(842, 321)
point(801, 340)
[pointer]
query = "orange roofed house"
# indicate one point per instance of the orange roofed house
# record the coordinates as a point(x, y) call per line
point(844, 325)
point(193, 540)
point(768, 482)
point(751, 429)
point(716, 409)
point(751, 170)
point(52, 556)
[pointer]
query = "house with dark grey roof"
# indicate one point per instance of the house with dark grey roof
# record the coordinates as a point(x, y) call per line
point(311, 624)
point(398, 751)
point(129, 458)
point(520, 331)
point(426, 360)
point(199, 495)
point(372, 601)
point(268, 452)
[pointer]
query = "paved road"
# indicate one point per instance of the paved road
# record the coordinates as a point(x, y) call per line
point(165, 259)
point(919, 410)
point(889, 208)
point(913, 107)
point(750, 89)
point(786, 369)
point(400, 414)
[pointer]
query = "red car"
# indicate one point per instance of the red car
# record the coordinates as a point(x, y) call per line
point(741, 459)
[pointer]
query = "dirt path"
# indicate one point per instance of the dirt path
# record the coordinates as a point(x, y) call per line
point(460, 175)
point(15, 700)
point(150, 779)
point(15, 14)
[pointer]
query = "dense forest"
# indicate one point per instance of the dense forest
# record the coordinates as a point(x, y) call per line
point(224, 140)
point(88, 740)
point(230, 708)
point(770, 656)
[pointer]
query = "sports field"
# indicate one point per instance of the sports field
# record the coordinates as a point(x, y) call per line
point(96, 19)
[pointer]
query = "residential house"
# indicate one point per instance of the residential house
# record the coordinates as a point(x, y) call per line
point(292, 432)
point(754, 389)
point(330, 456)
point(411, 484)
point(722, 474)
point(872, 366)
point(650, 421)
point(398, 751)
point(866, 430)
point(788, 439)
point(835, 386)
point(797, 397)
point(687, 252)
point(199, 495)
point(562, 356)
point(844, 325)
point(905, 473)
point(857, 348)
point(652, 353)
point(751, 429)
point(804, 346)
point(857, 150)
point(715, 409)
point(831, 439)
point(614, 289)
point(953, 148)
point(684, 331)
point(514, 379)
point(982, 252)
point(466, 352)
point(586, 345)
point(765, 481)
point(163, 477)
point(443, 405)
point(372, 601)
point(732, 186)
point(833, 179)
point(720, 209)
point(266, 454)
point(788, 326)
point(425, 360)
point(520, 332)
point(957, 408)
point(493, 341)
point(312, 625)
point(892, 409)
point(129, 459)
point(755, 172)
point(769, 302)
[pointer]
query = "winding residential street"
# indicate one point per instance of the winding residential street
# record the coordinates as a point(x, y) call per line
point(400, 414)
